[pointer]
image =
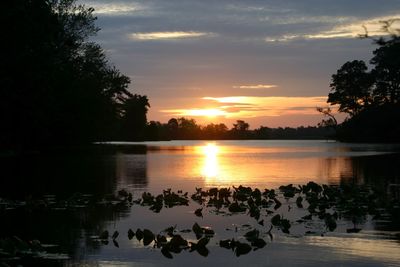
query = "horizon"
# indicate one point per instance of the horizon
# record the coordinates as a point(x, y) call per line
point(268, 63)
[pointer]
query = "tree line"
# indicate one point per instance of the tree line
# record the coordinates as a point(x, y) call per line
point(185, 128)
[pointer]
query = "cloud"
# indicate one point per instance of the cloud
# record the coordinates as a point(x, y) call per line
point(252, 106)
point(373, 26)
point(196, 112)
point(168, 35)
point(115, 8)
point(344, 30)
point(255, 86)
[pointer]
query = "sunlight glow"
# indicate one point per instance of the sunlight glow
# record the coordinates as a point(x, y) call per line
point(114, 8)
point(167, 35)
point(253, 106)
point(345, 28)
point(255, 86)
point(197, 112)
point(355, 29)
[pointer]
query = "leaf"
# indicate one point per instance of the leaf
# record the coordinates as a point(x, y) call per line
point(225, 243)
point(330, 223)
point(177, 241)
point(276, 220)
point(203, 242)
point(259, 243)
point(148, 237)
point(198, 212)
point(131, 234)
point(299, 201)
point(203, 251)
point(139, 234)
point(242, 249)
point(285, 223)
point(197, 230)
point(166, 252)
point(235, 207)
point(170, 230)
point(252, 235)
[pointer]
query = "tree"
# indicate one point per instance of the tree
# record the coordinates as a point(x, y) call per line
point(173, 128)
point(56, 87)
point(330, 121)
point(188, 128)
point(386, 71)
point(240, 126)
point(214, 131)
point(371, 98)
point(240, 129)
point(134, 118)
point(351, 87)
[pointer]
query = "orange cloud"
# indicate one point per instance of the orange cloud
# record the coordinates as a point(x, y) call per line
point(253, 106)
point(255, 86)
point(167, 35)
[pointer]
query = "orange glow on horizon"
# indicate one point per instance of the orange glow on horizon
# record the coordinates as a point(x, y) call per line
point(242, 107)
point(207, 112)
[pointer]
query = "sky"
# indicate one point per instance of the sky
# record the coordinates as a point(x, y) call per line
point(268, 62)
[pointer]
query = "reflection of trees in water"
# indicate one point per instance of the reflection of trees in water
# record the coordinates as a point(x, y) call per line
point(377, 170)
point(131, 170)
point(64, 174)
point(337, 169)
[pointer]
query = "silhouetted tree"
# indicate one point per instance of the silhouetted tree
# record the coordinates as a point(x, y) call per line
point(214, 131)
point(56, 87)
point(188, 129)
point(240, 126)
point(371, 98)
point(134, 118)
point(351, 87)
point(330, 121)
point(155, 131)
point(386, 71)
point(240, 129)
point(173, 128)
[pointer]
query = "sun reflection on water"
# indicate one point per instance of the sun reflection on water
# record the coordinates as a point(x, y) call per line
point(210, 166)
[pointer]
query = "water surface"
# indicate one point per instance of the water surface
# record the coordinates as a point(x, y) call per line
point(184, 165)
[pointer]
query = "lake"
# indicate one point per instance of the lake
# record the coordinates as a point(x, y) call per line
point(187, 165)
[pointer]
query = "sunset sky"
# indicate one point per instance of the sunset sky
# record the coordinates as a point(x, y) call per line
point(266, 62)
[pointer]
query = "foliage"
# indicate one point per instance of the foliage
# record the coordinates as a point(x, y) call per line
point(330, 121)
point(57, 87)
point(188, 129)
point(371, 98)
point(134, 118)
point(351, 87)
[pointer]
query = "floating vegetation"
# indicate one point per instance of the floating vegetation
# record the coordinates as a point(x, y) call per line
point(321, 208)
point(14, 249)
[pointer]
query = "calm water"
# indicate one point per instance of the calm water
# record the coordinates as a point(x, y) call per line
point(184, 165)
